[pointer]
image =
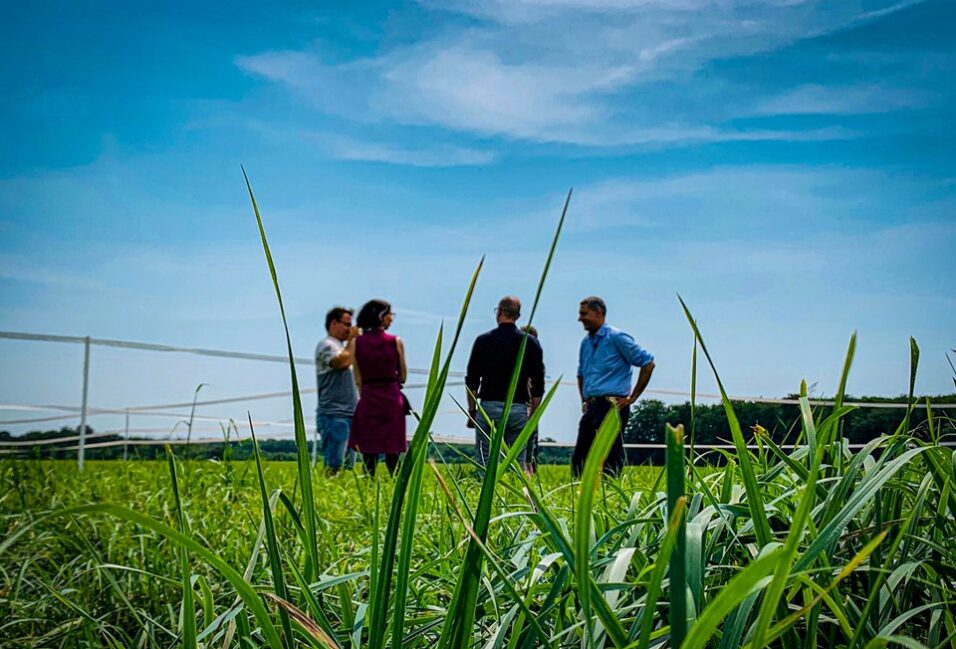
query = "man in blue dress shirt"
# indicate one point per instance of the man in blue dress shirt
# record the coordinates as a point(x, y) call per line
point(604, 381)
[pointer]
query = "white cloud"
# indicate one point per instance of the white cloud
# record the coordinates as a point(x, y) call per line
point(743, 199)
point(464, 87)
point(843, 100)
point(436, 156)
point(19, 268)
point(571, 71)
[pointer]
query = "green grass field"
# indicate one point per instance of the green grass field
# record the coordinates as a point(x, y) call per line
point(93, 579)
point(818, 546)
point(89, 578)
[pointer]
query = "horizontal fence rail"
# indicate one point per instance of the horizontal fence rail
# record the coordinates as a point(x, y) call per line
point(436, 439)
point(127, 344)
point(163, 410)
point(155, 347)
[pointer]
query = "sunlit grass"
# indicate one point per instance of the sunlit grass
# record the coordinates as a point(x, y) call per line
point(817, 547)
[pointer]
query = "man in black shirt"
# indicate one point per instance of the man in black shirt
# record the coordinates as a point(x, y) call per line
point(490, 367)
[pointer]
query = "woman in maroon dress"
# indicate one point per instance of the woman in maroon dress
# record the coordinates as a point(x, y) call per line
point(379, 422)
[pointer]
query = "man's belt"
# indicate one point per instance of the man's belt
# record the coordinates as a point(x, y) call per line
point(604, 396)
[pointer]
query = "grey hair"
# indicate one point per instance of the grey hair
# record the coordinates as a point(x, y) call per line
point(594, 303)
point(510, 306)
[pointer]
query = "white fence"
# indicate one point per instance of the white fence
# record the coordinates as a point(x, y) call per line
point(81, 412)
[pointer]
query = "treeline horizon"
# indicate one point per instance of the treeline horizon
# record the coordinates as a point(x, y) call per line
point(645, 426)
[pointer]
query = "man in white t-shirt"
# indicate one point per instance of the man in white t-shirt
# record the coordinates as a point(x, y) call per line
point(336, 389)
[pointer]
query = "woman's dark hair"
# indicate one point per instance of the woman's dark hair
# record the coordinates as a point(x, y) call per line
point(372, 313)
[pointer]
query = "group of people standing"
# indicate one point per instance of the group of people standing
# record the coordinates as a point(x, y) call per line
point(360, 369)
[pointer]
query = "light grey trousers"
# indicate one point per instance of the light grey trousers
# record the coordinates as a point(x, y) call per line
point(517, 419)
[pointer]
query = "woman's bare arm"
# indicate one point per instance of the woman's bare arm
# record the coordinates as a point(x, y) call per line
point(356, 372)
point(402, 368)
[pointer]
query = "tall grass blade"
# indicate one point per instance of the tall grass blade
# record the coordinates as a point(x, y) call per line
point(784, 625)
point(754, 496)
point(693, 397)
point(275, 559)
point(661, 564)
point(457, 631)
point(250, 565)
point(243, 588)
point(678, 563)
point(914, 363)
point(405, 553)
point(515, 449)
point(790, 548)
point(848, 361)
point(730, 596)
point(590, 479)
point(188, 608)
point(495, 565)
point(378, 606)
point(301, 441)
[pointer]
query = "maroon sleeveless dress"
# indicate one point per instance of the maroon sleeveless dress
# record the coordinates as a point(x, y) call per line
point(378, 425)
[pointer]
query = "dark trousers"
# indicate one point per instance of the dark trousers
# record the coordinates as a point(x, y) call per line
point(591, 420)
point(371, 461)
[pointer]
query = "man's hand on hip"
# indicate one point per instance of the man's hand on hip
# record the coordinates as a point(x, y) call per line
point(623, 402)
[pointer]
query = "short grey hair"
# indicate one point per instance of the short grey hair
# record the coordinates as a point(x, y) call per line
point(594, 303)
point(510, 306)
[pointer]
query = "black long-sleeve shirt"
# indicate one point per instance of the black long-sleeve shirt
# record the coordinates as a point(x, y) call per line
point(492, 362)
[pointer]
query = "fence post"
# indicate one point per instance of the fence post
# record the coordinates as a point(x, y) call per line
point(81, 453)
point(126, 437)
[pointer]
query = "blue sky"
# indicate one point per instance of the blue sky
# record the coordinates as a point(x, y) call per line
point(785, 166)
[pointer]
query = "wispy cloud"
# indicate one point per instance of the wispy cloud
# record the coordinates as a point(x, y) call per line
point(843, 100)
point(579, 72)
point(765, 201)
point(436, 156)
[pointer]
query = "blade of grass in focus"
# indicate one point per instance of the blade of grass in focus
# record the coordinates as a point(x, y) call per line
point(378, 605)
point(408, 538)
point(515, 449)
point(678, 562)
point(247, 575)
point(243, 588)
point(654, 585)
point(590, 478)
point(301, 441)
point(795, 535)
point(187, 613)
point(754, 496)
point(458, 629)
point(730, 596)
point(272, 545)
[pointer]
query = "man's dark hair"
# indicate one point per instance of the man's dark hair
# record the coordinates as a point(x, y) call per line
point(510, 307)
point(595, 303)
point(335, 315)
point(372, 313)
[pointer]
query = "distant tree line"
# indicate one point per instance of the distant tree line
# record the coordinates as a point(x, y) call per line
point(645, 425)
point(781, 421)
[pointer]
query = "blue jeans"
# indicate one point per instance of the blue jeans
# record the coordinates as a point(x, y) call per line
point(335, 436)
point(517, 418)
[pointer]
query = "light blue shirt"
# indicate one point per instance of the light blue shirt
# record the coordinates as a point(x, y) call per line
point(605, 362)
